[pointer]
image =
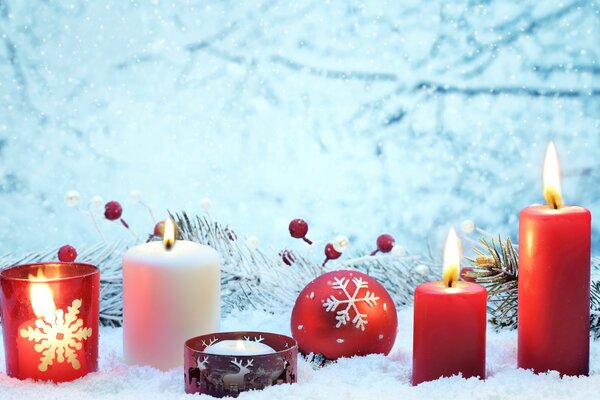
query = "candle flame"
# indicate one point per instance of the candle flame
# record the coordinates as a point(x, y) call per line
point(41, 297)
point(169, 235)
point(552, 191)
point(451, 259)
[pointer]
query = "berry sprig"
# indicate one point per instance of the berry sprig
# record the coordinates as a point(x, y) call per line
point(330, 253)
point(113, 211)
point(334, 250)
point(67, 253)
point(298, 229)
point(385, 243)
point(73, 198)
point(159, 230)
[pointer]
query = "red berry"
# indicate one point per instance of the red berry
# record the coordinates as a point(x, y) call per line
point(159, 229)
point(385, 243)
point(298, 228)
point(331, 253)
point(113, 210)
point(288, 257)
point(67, 253)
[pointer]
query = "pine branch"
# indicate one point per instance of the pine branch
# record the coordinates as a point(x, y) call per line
point(258, 279)
point(496, 266)
point(253, 278)
point(595, 300)
point(108, 258)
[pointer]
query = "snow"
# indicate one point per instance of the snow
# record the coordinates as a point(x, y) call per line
point(359, 116)
point(356, 378)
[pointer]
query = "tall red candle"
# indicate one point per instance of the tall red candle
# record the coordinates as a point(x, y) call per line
point(50, 320)
point(449, 324)
point(554, 282)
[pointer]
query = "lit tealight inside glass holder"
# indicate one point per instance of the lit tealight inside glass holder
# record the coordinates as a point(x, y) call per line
point(50, 320)
point(226, 364)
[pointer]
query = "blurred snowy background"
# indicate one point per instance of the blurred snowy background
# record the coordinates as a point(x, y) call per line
point(360, 116)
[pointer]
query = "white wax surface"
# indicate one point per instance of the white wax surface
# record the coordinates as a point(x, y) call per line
point(184, 253)
point(239, 348)
point(169, 296)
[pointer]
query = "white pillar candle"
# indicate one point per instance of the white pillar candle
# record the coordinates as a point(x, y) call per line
point(169, 296)
point(238, 348)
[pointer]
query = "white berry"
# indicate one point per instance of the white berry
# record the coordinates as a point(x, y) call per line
point(468, 226)
point(96, 202)
point(205, 203)
point(72, 198)
point(398, 251)
point(340, 243)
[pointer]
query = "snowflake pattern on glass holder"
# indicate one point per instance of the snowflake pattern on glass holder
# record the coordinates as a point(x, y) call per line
point(59, 336)
point(343, 315)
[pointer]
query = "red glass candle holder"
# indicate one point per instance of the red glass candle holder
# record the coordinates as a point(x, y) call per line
point(50, 320)
point(228, 375)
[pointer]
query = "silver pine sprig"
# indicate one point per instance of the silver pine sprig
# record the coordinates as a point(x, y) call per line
point(496, 266)
point(252, 278)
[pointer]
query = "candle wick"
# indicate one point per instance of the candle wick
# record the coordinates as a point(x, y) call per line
point(168, 245)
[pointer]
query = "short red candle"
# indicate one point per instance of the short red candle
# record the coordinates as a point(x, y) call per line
point(554, 289)
point(449, 331)
point(50, 320)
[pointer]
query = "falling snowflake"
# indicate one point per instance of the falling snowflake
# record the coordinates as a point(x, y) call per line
point(343, 315)
point(58, 336)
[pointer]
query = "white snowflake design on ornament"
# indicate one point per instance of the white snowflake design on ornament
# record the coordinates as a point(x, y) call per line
point(59, 336)
point(343, 315)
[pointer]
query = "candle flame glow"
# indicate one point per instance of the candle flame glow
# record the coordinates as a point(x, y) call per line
point(41, 297)
point(552, 191)
point(451, 259)
point(239, 345)
point(169, 235)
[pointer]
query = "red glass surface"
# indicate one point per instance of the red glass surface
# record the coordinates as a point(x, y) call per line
point(554, 290)
point(449, 331)
point(50, 324)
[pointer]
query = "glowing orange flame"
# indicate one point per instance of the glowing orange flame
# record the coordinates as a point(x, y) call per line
point(552, 191)
point(451, 259)
point(169, 235)
point(41, 297)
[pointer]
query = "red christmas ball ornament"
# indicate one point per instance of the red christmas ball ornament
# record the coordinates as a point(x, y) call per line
point(113, 210)
point(385, 243)
point(344, 314)
point(67, 253)
point(298, 229)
